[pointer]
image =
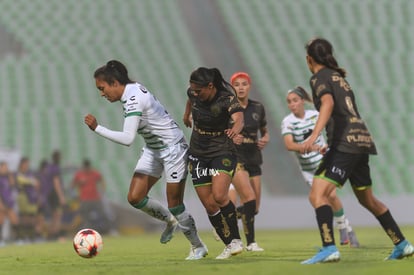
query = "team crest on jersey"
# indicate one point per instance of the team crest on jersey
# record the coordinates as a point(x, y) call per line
point(132, 98)
point(255, 116)
point(313, 119)
point(226, 162)
point(215, 110)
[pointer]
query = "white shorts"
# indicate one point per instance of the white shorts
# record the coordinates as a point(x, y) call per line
point(171, 160)
point(308, 176)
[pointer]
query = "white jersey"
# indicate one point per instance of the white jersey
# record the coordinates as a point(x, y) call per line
point(301, 129)
point(156, 126)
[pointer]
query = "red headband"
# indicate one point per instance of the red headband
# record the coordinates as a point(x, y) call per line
point(240, 74)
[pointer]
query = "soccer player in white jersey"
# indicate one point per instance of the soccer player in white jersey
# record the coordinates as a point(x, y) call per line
point(296, 127)
point(165, 150)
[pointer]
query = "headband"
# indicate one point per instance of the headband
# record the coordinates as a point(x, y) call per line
point(297, 91)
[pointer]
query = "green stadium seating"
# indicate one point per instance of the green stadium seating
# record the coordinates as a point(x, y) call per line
point(47, 90)
point(373, 42)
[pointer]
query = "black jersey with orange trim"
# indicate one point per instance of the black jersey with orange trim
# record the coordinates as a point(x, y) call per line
point(210, 119)
point(346, 130)
point(254, 120)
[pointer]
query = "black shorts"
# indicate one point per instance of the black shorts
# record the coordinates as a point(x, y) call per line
point(337, 167)
point(203, 169)
point(252, 169)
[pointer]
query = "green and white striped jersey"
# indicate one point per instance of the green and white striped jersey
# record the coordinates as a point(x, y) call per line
point(301, 129)
point(156, 125)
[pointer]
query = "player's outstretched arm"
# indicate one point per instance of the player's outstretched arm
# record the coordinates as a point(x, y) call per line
point(124, 137)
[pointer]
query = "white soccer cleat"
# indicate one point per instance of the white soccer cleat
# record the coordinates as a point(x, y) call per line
point(167, 235)
point(225, 254)
point(234, 248)
point(254, 247)
point(197, 253)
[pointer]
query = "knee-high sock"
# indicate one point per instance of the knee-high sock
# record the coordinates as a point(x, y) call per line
point(187, 224)
point(247, 217)
point(324, 216)
point(154, 208)
point(341, 221)
point(218, 222)
point(391, 227)
point(230, 218)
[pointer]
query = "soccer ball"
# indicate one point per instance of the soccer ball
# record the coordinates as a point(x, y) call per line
point(87, 243)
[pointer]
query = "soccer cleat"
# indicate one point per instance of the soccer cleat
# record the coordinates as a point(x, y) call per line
point(254, 247)
point(197, 253)
point(353, 241)
point(402, 250)
point(343, 236)
point(167, 235)
point(234, 248)
point(225, 254)
point(326, 254)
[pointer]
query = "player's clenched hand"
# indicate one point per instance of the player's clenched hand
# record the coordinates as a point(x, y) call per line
point(230, 133)
point(238, 139)
point(323, 149)
point(261, 143)
point(91, 121)
point(187, 119)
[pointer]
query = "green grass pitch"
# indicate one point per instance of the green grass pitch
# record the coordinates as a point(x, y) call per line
point(143, 254)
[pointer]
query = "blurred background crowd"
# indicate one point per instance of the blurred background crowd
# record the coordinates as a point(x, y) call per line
point(37, 205)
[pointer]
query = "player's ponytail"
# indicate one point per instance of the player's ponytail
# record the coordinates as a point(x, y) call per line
point(203, 76)
point(321, 51)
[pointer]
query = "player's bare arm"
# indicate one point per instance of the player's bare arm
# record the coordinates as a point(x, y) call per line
point(187, 115)
point(324, 115)
point(265, 137)
point(238, 125)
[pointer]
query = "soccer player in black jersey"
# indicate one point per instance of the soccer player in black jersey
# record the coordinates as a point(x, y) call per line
point(249, 143)
point(212, 161)
point(295, 129)
point(350, 145)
